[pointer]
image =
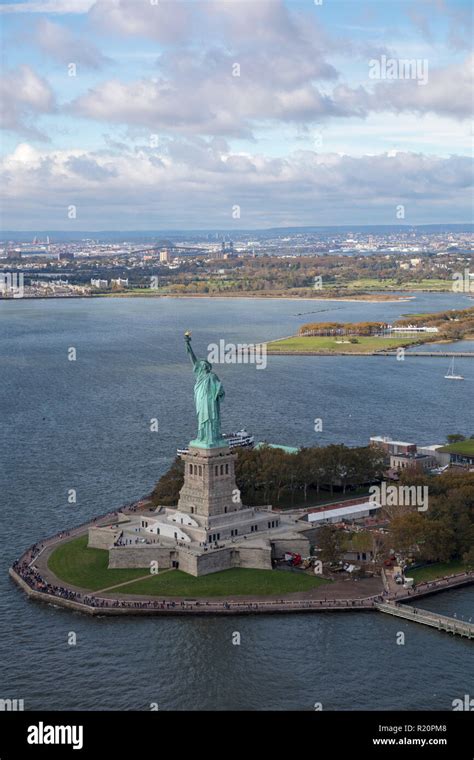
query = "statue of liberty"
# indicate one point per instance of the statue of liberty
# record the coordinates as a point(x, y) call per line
point(208, 393)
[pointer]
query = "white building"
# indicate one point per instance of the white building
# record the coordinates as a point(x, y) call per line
point(337, 514)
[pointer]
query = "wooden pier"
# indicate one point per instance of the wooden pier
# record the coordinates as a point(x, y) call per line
point(433, 619)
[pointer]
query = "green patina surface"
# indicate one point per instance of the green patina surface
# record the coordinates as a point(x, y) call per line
point(208, 394)
point(286, 449)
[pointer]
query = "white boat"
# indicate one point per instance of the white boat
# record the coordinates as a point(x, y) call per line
point(238, 440)
point(451, 375)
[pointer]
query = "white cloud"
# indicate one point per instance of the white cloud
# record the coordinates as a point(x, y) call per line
point(448, 92)
point(59, 43)
point(23, 96)
point(164, 21)
point(48, 6)
point(195, 184)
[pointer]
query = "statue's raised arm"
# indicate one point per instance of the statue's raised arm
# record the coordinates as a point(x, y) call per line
point(187, 340)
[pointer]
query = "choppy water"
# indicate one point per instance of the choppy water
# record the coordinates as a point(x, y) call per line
point(86, 425)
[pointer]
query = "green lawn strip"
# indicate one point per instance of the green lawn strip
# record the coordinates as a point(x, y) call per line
point(328, 344)
point(72, 562)
point(437, 570)
point(464, 448)
point(227, 583)
point(425, 284)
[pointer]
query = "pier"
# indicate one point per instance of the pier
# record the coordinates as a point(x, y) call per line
point(433, 619)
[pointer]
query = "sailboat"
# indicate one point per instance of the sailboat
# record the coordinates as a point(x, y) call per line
point(451, 375)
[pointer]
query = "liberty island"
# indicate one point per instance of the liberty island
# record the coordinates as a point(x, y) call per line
point(209, 546)
point(210, 530)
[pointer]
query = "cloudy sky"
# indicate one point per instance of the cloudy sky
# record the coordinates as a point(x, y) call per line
point(164, 114)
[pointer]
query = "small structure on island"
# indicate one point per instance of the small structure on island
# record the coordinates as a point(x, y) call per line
point(210, 529)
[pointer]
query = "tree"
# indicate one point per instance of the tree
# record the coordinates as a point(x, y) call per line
point(438, 542)
point(330, 541)
point(468, 557)
point(455, 438)
point(304, 469)
point(406, 531)
point(166, 491)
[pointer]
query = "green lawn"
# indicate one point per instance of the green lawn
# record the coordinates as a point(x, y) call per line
point(328, 344)
point(235, 582)
point(74, 563)
point(437, 570)
point(465, 448)
point(372, 283)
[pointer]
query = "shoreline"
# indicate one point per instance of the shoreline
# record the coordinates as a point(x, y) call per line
point(286, 604)
point(390, 353)
point(55, 592)
point(363, 298)
point(381, 352)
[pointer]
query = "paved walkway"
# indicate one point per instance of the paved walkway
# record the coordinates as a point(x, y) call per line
point(126, 583)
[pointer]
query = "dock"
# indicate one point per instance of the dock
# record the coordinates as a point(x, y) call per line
point(433, 619)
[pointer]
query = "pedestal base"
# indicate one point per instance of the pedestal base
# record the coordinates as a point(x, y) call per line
point(209, 482)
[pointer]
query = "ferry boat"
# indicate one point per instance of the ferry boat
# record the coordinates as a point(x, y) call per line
point(239, 440)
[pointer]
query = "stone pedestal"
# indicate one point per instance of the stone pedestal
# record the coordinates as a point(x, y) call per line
point(209, 482)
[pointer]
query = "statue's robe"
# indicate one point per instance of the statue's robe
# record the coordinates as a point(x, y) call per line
point(208, 391)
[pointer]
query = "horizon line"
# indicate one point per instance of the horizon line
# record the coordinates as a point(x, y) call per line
point(247, 229)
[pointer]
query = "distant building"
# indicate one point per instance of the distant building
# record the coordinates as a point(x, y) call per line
point(392, 447)
point(97, 283)
point(119, 282)
point(442, 458)
point(413, 328)
point(461, 453)
point(417, 461)
point(164, 256)
point(349, 513)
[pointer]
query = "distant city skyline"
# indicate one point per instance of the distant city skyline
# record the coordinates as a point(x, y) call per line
point(225, 234)
point(136, 115)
